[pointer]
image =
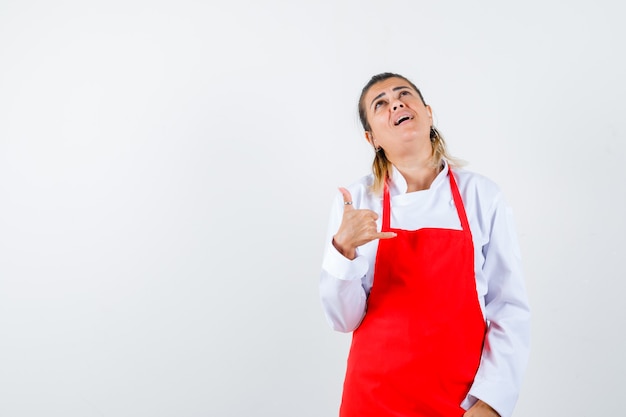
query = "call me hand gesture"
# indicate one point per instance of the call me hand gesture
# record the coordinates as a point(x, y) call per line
point(357, 228)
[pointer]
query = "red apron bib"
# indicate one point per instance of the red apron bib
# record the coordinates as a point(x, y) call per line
point(419, 346)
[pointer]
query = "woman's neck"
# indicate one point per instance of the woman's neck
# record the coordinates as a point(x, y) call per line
point(419, 174)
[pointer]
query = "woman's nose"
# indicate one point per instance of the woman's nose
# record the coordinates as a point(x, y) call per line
point(396, 106)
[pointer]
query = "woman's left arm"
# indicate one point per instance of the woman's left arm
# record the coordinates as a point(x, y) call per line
point(507, 343)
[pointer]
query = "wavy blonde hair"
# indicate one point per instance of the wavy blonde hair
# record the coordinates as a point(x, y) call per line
point(381, 166)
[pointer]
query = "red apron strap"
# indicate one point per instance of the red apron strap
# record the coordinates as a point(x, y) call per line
point(458, 202)
point(386, 209)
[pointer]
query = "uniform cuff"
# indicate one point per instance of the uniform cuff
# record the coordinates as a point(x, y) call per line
point(496, 395)
point(343, 268)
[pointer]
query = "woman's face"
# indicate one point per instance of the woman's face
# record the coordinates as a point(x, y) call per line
point(396, 115)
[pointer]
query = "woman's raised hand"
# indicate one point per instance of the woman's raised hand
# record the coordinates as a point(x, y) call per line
point(357, 228)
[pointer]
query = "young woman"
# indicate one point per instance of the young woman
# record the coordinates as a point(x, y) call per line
point(423, 265)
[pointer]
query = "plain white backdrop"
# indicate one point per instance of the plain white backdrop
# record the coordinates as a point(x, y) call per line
point(167, 168)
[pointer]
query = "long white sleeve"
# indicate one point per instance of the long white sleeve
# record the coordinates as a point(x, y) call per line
point(507, 343)
point(341, 288)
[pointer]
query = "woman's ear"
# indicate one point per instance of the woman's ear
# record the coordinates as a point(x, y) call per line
point(369, 138)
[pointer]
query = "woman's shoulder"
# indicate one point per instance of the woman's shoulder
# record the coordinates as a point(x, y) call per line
point(361, 191)
point(470, 182)
point(362, 184)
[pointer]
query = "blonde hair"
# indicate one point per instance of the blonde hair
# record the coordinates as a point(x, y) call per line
point(381, 167)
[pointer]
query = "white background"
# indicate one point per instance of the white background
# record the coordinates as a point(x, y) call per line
point(167, 169)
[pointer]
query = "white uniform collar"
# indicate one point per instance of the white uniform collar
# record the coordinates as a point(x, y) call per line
point(398, 184)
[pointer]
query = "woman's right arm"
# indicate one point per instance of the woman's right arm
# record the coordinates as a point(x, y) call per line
point(341, 290)
point(343, 269)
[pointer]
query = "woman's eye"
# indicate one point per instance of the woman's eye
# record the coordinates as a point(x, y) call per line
point(378, 104)
point(404, 93)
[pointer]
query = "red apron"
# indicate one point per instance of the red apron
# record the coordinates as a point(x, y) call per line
point(419, 346)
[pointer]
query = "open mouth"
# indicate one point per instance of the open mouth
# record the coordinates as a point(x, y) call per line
point(402, 119)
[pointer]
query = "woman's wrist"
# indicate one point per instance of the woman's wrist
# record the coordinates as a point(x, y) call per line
point(349, 253)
